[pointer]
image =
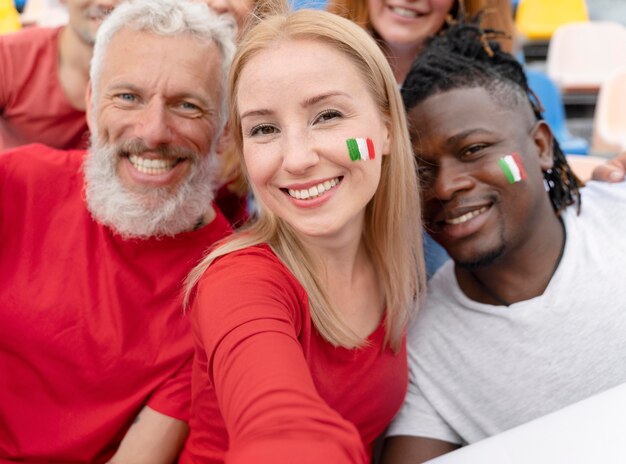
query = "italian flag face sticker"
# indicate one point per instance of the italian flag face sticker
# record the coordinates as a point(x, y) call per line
point(360, 149)
point(513, 168)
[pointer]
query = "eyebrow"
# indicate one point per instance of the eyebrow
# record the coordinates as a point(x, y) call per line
point(462, 135)
point(305, 104)
point(318, 98)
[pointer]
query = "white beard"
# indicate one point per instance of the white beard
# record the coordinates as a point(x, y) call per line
point(154, 212)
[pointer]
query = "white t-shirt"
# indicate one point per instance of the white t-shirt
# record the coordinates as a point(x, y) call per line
point(477, 370)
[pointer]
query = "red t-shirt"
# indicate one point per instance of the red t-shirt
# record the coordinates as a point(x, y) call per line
point(267, 388)
point(33, 105)
point(91, 326)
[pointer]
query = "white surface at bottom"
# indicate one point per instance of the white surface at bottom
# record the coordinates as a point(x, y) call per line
point(592, 431)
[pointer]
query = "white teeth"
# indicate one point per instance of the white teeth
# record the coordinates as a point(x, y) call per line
point(314, 191)
point(151, 166)
point(404, 12)
point(466, 217)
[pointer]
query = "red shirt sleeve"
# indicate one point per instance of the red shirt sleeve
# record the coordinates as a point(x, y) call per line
point(249, 312)
point(173, 397)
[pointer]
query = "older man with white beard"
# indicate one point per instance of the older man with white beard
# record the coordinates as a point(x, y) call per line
point(95, 350)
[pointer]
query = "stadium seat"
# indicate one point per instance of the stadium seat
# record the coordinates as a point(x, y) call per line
point(309, 4)
point(554, 112)
point(9, 17)
point(19, 5)
point(609, 124)
point(582, 55)
point(45, 13)
point(539, 19)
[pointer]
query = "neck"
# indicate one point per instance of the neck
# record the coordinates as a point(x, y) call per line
point(74, 51)
point(74, 61)
point(353, 288)
point(520, 274)
point(401, 59)
point(337, 258)
point(205, 219)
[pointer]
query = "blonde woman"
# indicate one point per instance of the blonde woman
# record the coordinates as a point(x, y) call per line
point(299, 319)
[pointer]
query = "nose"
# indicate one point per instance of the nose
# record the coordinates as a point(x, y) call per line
point(451, 177)
point(298, 154)
point(219, 6)
point(153, 125)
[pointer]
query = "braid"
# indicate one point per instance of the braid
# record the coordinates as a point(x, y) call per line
point(463, 56)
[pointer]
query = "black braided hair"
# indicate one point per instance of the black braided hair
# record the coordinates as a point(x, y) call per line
point(462, 56)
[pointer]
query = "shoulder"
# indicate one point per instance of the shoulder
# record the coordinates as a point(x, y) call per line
point(249, 261)
point(26, 55)
point(244, 286)
point(30, 39)
point(603, 192)
point(602, 207)
point(40, 162)
point(443, 297)
point(30, 36)
point(35, 180)
point(442, 288)
point(252, 270)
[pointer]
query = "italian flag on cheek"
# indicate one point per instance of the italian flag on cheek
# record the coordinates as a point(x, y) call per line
point(360, 149)
point(513, 168)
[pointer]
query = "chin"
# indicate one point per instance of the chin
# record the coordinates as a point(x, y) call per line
point(154, 212)
point(479, 260)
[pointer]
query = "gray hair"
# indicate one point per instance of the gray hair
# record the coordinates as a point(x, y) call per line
point(168, 18)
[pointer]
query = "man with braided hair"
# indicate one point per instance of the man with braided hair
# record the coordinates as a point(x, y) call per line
point(529, 315)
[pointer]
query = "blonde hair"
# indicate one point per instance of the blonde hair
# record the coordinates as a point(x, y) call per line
point(498, 15)
point(392, 232)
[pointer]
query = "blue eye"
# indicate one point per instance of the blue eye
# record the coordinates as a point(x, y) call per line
point(189, 106)
point(129, 97)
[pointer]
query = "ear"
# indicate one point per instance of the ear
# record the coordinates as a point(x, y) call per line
point(224, 141)
point(89, 110)
point(544, 141)
point(387, 141)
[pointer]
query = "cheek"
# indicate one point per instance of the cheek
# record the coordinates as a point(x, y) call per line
point(199, 134)
point(374, 7)
point(261, 166)
point(114, 124)
point(442, 6)
point(241, 9)
point(440, 10)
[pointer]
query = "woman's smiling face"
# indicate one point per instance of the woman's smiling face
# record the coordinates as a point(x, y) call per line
point(407, 23)
point(299, 102)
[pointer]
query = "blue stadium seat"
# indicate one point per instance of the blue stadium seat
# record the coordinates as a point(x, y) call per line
point(554, 112)
point(19, 5)
point(310, 4)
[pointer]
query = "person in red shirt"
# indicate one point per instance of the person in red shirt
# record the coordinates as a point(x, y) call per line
point(95, 349)
point(43, 79)
point(299, 318)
